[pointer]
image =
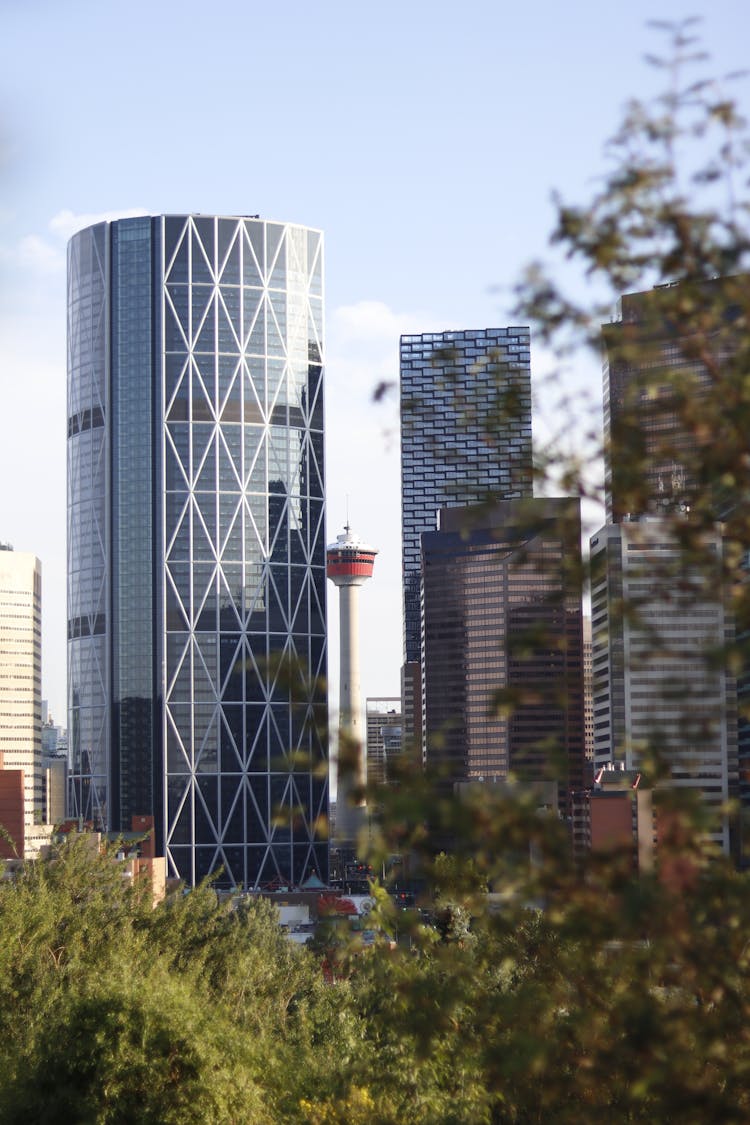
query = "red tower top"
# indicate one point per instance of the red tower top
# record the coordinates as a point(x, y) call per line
point(349, 560)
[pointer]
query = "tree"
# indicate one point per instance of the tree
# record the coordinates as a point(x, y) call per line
point(197, 1010)
point(588, 992)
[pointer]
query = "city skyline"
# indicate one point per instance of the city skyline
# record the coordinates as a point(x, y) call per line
point(432, 185)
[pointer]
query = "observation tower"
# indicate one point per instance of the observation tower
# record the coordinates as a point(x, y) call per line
point(349, 564)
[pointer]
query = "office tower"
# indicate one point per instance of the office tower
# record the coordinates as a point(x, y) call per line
point(655, 693)
point(196, 569)
point(588, 690)
point(383, 718)
point(21, 692)
point(666, 352)
point(501, 596)
point(674, 358)
point(349, 565)
point(465, 438)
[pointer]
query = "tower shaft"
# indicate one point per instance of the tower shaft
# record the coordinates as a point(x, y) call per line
point(350, 696)
point(349, 566)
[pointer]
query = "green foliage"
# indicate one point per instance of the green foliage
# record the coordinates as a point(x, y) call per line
point(585, 992)
point(111, 1011)
point(618, 1000)
point(132, 1047)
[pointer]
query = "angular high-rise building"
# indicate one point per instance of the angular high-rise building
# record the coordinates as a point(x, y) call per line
point(196, 548)
point(465, 438)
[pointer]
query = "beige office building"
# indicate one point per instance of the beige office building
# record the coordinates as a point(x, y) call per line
point(21, 679)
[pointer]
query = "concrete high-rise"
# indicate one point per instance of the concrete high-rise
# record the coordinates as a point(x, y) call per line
point(501, 598)
point(657, 697)
point(21, 691)
point(465, 438)
point(588, 690)
point(196, 568)
point(659, 614)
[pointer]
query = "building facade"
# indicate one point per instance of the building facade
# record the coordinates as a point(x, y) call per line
point(674, 359)
point(196, 551)
point(588, 689)
point(465, 438)
point(667, 352)
point(658, 697)
point(502, 648)
point(383, 718)
point(21, 693)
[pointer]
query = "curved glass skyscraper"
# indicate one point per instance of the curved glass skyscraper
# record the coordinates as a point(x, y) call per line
point(196, 547)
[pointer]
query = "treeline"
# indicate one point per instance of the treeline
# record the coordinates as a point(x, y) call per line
point(620, 1000)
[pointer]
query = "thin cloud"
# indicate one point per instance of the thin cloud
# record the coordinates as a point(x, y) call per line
point(66, 223)
point(36, 254)
point(369, 327)
point(42, 255)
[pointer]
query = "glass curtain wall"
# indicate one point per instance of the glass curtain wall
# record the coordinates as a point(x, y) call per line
point(196, 541)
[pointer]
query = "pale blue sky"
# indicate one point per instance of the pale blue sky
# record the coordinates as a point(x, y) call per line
point(423, 138)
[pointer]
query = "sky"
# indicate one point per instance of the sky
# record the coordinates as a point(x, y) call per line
point(425, 139)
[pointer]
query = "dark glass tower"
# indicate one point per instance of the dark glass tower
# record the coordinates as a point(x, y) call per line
point(501, 612)
point(196, 548)
point(465, 438)
point(666, 429)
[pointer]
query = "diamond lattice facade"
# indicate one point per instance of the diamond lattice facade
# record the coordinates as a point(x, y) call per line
point(196, 568)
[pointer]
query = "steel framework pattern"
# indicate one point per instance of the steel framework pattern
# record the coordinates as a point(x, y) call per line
point(235, 707)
